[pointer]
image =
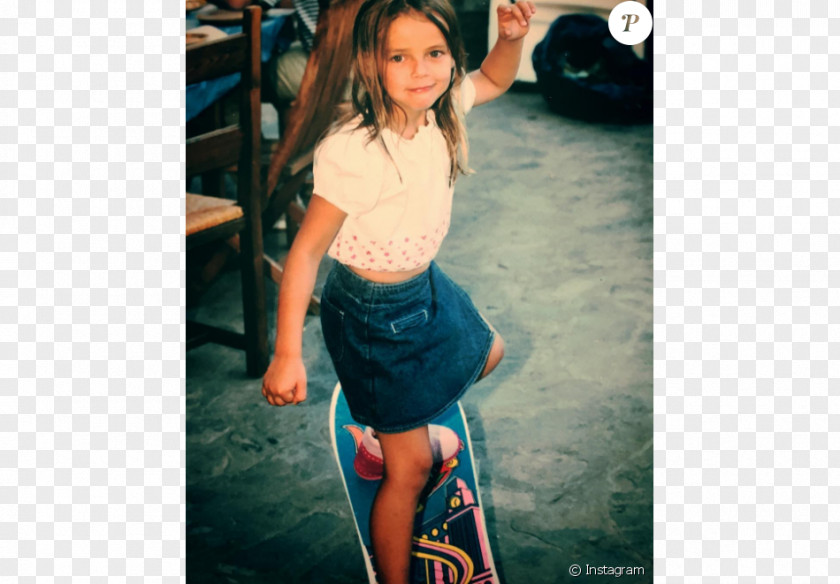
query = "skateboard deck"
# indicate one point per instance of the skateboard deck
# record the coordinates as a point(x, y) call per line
point(450, 538)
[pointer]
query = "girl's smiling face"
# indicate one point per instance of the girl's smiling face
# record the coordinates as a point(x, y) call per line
point(418, 65)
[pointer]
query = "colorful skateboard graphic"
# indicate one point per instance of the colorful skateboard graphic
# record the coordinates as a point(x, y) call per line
point(450, 539)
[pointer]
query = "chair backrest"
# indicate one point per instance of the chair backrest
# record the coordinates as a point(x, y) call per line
point(218, 148)
point(238, 143)
point(322, 87)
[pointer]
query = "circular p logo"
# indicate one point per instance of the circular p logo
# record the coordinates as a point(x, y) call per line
point(630, 22)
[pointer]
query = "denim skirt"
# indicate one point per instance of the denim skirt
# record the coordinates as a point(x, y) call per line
point(404, 353)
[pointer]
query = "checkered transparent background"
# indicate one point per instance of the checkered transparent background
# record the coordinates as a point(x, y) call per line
point(747, 272)
point(91, 368)
point(747, 300)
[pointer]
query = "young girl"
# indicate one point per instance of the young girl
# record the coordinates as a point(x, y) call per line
point(405, 340)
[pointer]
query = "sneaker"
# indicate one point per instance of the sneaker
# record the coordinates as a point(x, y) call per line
point(369, 464)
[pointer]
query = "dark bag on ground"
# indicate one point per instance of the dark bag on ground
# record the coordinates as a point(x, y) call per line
point(584, 73)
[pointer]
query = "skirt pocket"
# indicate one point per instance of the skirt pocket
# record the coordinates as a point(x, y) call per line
point(415, 319)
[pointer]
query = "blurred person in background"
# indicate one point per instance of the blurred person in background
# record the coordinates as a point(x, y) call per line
point(285, 70)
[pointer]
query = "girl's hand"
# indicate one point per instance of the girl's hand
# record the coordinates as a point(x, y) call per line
point(285, 381)
point(514, 20)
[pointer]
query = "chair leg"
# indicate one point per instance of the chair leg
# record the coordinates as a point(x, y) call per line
point(273, 270)
point(278, 202)
point(254, 300)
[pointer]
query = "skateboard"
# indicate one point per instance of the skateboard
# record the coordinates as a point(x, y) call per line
point(450, 543)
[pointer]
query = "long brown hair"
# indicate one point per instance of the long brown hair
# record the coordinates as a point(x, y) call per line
point(371, 101)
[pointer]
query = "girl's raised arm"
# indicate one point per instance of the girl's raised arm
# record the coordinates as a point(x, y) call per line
point(285, 381)
point(498, 70)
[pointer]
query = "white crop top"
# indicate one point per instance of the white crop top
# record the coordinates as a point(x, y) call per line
point(392, 225)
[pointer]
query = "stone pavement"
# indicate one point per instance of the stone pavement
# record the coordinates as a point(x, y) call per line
point(552, 238)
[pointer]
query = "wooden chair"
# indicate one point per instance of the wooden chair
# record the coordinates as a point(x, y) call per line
point(211, 219)
point(321, 91)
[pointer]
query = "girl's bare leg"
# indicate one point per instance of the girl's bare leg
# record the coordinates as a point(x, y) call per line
point(497, 351)
point(408, 462)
